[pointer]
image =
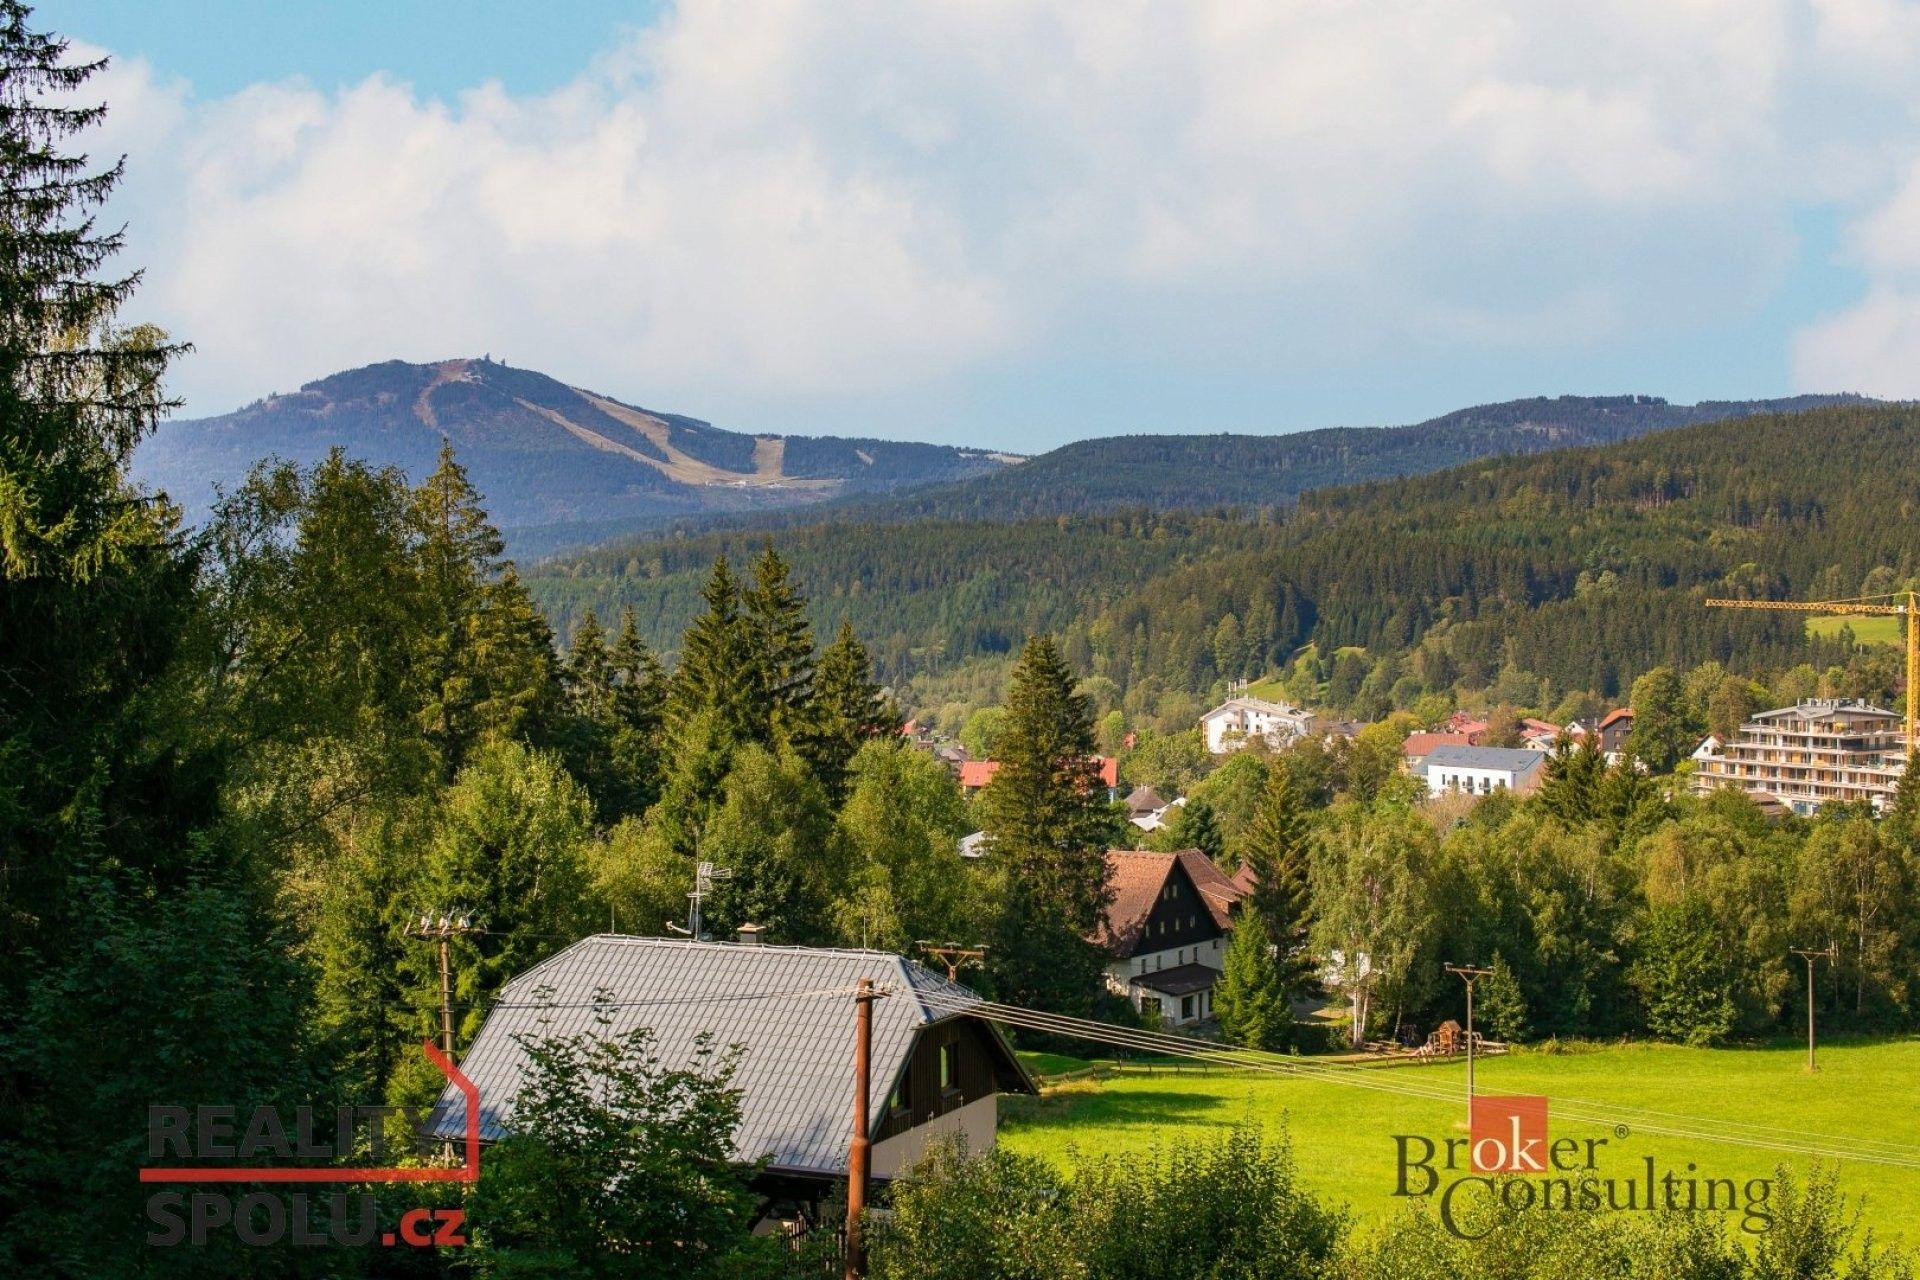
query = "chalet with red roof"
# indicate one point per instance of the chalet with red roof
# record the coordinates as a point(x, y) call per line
point(1166, 929)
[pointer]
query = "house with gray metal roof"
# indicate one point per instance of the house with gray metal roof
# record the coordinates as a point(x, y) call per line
point(936, 1070)
point(1482, 771)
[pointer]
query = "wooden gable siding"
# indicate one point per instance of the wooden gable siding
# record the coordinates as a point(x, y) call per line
point(922, 1095)
point(1179, 918)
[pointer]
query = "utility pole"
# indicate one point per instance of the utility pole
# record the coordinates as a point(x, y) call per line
point(954, 956)
point(860, 1149)
point(1469, 975)
point(446, 929)
point(1831, 954)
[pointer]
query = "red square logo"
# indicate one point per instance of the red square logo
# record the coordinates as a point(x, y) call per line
point(1510, 1135)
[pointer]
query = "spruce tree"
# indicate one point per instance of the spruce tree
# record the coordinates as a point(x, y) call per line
point(1199, 829)
point(639, 713)
point(1277, 847)
point(1048, 824)
point(1251, 1000)
point(1905, 810)
point(781, 651)
point(589, 670)
point(717, 675)
point(488, 661)
point(124, 902)
point(1570, 788)
point(849, 710)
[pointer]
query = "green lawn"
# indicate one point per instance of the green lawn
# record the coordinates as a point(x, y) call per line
point(1342, 1134)
point(1866, 630)
point(1270, 689)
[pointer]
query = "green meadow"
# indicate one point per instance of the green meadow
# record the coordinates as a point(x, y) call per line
point(1866, 630)
point(1343, 1141)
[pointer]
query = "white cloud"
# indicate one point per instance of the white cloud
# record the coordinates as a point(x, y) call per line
point(766, 201)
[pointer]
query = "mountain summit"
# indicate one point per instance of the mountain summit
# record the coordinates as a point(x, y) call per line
point(541, 452)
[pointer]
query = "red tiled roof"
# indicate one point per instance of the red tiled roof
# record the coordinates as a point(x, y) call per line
point(1420, 745)
point(1135, 877)
point(1539, 726)
point(978, 773)
point(1618, 713)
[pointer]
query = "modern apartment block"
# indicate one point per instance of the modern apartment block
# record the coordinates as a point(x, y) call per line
point(1809, 755)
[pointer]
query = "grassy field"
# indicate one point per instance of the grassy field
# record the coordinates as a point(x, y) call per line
point(1342, 1134)
point(1866, 630)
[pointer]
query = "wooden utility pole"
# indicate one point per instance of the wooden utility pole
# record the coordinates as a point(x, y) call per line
point(860, 1150)
point(1831, 954)
point(443, 931)
point(1469, 975)
point(954, 956)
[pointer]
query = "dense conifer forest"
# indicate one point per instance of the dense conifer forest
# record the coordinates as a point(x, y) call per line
point(1577, 570)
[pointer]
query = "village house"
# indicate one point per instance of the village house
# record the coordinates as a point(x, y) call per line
point(976, 774)
point(1810, 754)
point(1542, 735)
point(1237, 721)
point(1481, 771)
point(1419, 745)
point(1145, 808)
point(1165, 931)
point(1462, 723)
point(1614, 728)
point(936, 1071)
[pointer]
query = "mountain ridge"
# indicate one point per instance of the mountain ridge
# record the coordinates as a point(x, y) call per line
point(1196, 472)
point(542, 452)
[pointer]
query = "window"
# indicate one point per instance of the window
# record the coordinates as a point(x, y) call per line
point(1186, 1006)
point(950, 1065)
point(900, 1101)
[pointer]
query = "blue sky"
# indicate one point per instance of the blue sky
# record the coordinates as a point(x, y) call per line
point(1026, 222)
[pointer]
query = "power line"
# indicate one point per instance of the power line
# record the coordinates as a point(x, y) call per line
point(1708, 1129)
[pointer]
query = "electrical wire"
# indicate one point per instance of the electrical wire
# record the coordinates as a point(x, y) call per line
point(1644, 1120)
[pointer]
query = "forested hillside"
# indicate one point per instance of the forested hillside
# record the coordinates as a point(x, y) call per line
point(1189, 472)
point(1573, 570)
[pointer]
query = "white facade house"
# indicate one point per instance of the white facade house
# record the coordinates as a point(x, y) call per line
point(1481, 771)
point(1165, 932)
point(1239, 720)
point(1815, 753)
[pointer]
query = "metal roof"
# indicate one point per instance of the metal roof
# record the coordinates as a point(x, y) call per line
point(1506, 759)
point(790, 1009)
point(1821, 707)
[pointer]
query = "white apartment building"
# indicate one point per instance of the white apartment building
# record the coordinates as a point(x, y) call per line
point(1238, 721)
point(1810, 754)
point(1481, 771)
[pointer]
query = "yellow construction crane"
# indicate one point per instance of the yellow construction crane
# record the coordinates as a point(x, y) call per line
point(1902, 604)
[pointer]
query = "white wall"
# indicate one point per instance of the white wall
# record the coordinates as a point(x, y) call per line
point(976, 1124)
point(1444, 778)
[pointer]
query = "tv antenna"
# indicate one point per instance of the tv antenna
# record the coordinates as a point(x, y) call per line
point(705, 876)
